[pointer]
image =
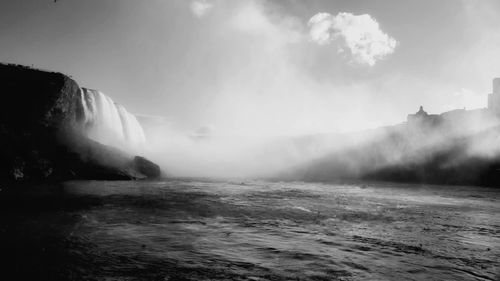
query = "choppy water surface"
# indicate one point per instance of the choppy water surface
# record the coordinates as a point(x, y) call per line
point(221, 230)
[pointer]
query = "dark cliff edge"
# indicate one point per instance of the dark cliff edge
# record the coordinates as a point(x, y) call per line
point(41, 136)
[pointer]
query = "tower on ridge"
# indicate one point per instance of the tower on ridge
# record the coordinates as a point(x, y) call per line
point(494, 97)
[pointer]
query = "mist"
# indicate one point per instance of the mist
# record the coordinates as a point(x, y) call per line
point(260, 78)
point(250, 139)
point(279, 91)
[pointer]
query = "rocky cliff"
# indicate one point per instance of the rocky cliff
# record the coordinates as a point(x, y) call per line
point(42, 135)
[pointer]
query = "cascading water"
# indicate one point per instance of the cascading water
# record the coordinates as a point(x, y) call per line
point(110, 123)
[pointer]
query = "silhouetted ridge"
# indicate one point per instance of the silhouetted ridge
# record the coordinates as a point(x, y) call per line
point(456, 147)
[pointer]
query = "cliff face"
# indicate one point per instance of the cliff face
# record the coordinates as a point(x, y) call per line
point(36, 100)
point(41, 132)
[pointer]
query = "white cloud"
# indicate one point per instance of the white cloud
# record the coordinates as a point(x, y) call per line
point(201, 7)
point(320, 25)
point(361, 35)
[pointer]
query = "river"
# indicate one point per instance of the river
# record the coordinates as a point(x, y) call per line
point(201, 229)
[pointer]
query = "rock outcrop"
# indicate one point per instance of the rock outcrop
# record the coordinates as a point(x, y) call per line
point(146, 167)
point(42, 135)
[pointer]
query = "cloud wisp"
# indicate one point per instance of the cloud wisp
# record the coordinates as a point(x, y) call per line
point(359, 34)
point(201, 7)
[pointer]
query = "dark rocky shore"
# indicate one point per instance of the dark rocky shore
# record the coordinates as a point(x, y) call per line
point(42, 135)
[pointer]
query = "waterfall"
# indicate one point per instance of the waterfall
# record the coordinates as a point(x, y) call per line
point(108, 122)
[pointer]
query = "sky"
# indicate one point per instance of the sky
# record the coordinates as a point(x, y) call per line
point(264, 67)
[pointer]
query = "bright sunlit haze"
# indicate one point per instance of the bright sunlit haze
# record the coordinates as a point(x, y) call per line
point(263, 68)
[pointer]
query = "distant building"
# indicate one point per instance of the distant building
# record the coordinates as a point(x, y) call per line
point(494, 97)
point(454, 114)
point(461, 120)
point(421, 116)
